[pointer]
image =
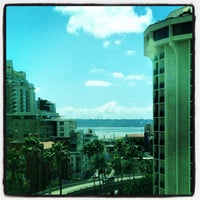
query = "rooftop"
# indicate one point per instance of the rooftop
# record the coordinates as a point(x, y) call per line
point(186, 10)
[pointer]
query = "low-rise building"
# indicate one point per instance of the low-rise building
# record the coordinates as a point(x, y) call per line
point(47, 125)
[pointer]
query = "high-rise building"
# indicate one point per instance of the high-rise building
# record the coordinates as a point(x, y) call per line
point(20, 95)
point(46, 105)
point(169, 44)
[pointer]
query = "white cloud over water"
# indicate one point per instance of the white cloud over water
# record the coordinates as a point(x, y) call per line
point(104, 21)
point(110, 110)
point(97, 83)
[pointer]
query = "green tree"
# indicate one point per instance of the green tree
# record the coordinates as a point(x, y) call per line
point(140, 187)
point(89, 150)
point(33, 152)
point(131, 154)
point(15, 180)
point(62, 159)
point(119, 149)
point(99, 161)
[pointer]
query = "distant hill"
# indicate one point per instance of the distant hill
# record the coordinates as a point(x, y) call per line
point(113, 122)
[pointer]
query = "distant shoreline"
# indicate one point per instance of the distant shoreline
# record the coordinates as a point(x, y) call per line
point(113, 122)
point(114, 132)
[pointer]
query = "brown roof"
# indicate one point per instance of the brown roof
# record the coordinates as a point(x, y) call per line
point(135, 135)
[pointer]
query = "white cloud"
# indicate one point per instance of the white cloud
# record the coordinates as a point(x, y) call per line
point(130, 76)
point(103, 21)
point(117, 42)
point(37, 89)
point(136, 77)
point(118, 75)
point(106, 43)
point(96, 71)
point(97, 83)
point(129, 79)
point(130, 52)
point(110, 110)
point(131, 84)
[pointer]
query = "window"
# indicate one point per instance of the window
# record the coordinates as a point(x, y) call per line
point(156, 68)
point(182, 28)
point(161, 67)
point(161, 33)
point(61, 128)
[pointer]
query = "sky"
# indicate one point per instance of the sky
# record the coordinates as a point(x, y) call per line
point(89, 61)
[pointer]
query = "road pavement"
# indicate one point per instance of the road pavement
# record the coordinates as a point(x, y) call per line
point(82, 186)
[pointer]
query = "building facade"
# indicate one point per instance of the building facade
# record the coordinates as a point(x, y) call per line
point(20, 95)
point(46, 105)
point(169, 44)
point(46, 125)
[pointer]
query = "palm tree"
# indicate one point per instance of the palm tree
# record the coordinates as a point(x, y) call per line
point(50, 164)
point(33, 152)
point(89, 150)
point(120, 149)
point(101, 165)
point(131, 153)
point(62, 158)
point(16, 183)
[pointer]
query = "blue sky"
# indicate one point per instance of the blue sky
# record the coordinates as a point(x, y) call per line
point(88, 60)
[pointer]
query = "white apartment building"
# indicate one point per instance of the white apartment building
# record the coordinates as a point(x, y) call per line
point(20, 95)
point(169, 44)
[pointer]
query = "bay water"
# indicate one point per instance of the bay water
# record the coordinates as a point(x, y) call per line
point(113, 132)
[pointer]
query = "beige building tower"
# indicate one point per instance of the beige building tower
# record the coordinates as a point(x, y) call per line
point(169, 44)
point(20, 95)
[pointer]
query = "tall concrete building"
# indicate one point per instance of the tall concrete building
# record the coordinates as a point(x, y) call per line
point(20, 95)
point(169, 44)
point(46, 105)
